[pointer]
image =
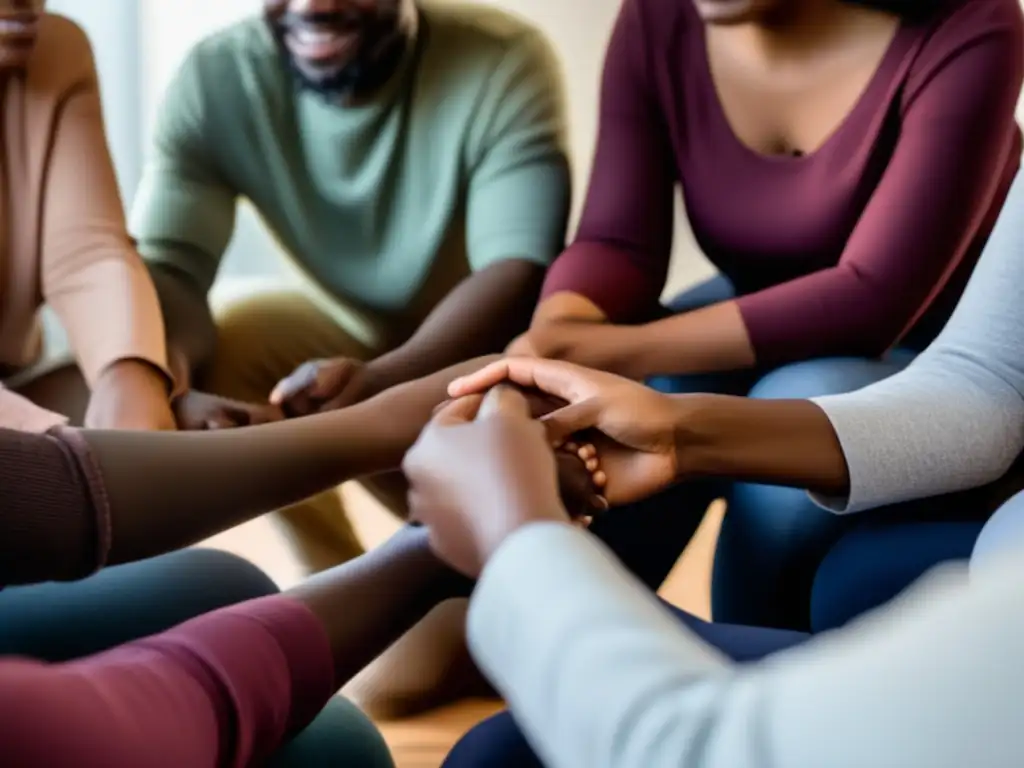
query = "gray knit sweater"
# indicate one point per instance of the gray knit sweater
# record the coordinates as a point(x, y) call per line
point(954, 419)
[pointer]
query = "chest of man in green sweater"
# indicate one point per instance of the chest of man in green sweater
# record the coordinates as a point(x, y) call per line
point(409, 159)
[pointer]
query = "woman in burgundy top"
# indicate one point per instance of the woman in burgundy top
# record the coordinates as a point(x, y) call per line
point(842, 164)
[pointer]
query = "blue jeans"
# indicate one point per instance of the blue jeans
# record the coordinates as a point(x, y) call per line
point(68, 620)
point(498, 743)
point(772, 538)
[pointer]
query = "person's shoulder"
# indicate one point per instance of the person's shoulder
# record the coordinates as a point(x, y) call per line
point(985, 35)
point(476, 39)
point(233, 74)
point(952, 22)
point(235, 53)
point(63, 56)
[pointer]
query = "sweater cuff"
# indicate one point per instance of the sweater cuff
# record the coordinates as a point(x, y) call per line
point(618, 283)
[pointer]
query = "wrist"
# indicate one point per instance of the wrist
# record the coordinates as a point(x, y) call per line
point(698, 435)
point(135, 374)
point(520, 517)
point(567, 305)
point(387, 371)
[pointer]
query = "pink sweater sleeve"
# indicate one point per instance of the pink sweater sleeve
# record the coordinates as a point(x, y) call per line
point(91, 273)
point(222, 690)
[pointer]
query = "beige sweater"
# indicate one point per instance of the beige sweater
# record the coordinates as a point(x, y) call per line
point(63, 239)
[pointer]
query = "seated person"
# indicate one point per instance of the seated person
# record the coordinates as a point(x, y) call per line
point(953, 420)
point(66, 244)
point(409, 158)
point(230, 688)
point(599, 675)
point(843, 163)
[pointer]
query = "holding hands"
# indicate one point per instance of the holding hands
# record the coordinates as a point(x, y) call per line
point(633, 429)
point(487, 465)
point(481, 451)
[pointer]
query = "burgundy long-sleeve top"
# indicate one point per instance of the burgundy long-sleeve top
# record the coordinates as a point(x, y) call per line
point(866, 242)
point(224, 689)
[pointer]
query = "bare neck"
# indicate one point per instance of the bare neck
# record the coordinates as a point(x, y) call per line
point(809, 26)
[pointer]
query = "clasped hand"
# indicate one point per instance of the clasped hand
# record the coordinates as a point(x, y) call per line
point(484, 467)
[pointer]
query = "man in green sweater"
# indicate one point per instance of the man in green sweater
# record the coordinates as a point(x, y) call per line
point(410, 160)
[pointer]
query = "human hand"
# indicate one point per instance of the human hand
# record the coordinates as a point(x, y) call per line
point(326, 385)
point(580, 477)
point(202, 411)
point(130, 394)
point(633, 427)
point(481, 469)
point(583, 342)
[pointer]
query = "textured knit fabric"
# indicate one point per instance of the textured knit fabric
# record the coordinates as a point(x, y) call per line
point(954, 418)
point(63, 239)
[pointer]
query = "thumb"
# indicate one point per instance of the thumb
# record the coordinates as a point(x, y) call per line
point(459, 411)
point(296, 382)
point(567, 421)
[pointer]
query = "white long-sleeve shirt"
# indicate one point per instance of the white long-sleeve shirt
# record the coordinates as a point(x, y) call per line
point(600, 676)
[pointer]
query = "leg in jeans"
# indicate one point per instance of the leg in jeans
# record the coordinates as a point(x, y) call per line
point(773, 539)
point(498, 743)
point(58, 621)
point(872, 564)
point(895, 546)
point(261, 338)
point(883, 551)
point(341, 735)
point(69, 620)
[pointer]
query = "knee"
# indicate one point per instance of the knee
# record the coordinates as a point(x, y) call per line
point(340, 735)
point(223, 578)
point(495, 743)
point(824, 376)
point(1002, 534)
point(779, 519)
point(871, 565)
point(247, 327)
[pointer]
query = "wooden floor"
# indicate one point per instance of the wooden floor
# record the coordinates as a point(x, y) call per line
point(422, 742)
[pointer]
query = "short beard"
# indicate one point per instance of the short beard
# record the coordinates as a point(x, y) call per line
point(378, 57)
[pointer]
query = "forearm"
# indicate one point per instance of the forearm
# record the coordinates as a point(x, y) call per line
point(169, 490)
point(780, 442)
point(368, 603)
point(633, 687)
point(481, 316)
point(706, 340)
point(191, 331)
